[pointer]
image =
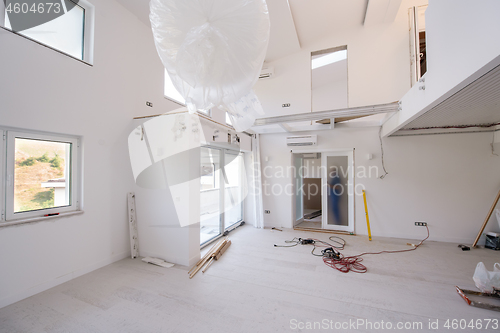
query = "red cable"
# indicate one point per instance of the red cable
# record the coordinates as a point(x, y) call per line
point(352, 263)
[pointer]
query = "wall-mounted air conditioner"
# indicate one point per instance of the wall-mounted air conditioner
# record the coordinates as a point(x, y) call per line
point(304, 140)
point(266, 73)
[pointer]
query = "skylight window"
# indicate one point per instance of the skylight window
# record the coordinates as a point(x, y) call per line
point(329, 59)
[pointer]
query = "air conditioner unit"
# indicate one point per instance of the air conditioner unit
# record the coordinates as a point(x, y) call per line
point(266, 73)
point(305, 140)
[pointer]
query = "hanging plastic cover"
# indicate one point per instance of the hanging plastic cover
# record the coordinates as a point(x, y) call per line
point(213, 50)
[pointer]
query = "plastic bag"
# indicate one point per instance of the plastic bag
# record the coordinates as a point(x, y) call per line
point(244, 111)
point(213, 50)
point(486, 280)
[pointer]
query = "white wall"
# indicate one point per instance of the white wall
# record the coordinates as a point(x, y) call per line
point(378, 67)
point(43, 90)
point(448, 181)
point(330, 97)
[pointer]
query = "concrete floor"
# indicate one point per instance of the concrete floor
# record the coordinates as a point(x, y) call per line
point(256, 287)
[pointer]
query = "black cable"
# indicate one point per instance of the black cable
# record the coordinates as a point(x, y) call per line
point(339, 241)
point(295, 240)
point(382, 151)
point(333, 258)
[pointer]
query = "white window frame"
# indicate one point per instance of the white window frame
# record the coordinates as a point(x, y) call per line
point(7, 167)
point(88, 32)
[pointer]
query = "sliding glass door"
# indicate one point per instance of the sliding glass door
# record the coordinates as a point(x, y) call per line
point(210, 194)
point(220, 210)
point(232, 171)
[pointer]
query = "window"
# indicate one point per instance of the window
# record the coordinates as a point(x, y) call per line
point(41, 175)
point(418, 45)
point(70, 33)
point(329, 79)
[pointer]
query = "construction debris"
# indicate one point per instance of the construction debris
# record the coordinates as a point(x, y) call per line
point(495, 295)
point(464, 247)
point(157, 262)
point(213, 254)
point(486, 219)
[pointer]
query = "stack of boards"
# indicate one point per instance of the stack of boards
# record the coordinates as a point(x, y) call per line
point(213, 254)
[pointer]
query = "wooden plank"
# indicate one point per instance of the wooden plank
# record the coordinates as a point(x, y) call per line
point(486, 220)
point(222, 250)
point(208, 264)
point(132, 223)
point(209, 257)
point(205, 256)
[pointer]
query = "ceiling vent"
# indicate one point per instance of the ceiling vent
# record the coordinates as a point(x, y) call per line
point(266, 73)
point(305, 140)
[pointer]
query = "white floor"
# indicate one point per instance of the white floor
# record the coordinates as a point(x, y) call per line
point(256, 287)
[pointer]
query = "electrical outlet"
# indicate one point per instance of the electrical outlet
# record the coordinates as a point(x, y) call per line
point(421, 224)
point(286, 105)
point(267, 211)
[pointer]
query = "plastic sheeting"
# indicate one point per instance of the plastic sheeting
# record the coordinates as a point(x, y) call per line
point(213, 51)
point(487, 281)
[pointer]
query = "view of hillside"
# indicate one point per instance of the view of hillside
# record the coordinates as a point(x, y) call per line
point(36, 162)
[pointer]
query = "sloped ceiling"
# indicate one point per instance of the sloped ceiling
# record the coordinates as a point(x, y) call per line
point(283, 39)
point(297, 22)
point(317, 19)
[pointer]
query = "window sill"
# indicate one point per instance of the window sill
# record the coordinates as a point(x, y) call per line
point(47, 46)
point(39, 218)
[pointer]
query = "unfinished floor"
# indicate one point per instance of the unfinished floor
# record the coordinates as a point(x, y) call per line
point(257, 287)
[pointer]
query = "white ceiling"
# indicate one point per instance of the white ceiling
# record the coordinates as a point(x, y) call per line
point(294, 23)
point(283, 38)
point(316, 19)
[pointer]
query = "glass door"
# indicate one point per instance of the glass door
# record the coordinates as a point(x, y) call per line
point(233, 196)
point(220, 210)
point(298, 181)
point(338, 191)
point(210, 195)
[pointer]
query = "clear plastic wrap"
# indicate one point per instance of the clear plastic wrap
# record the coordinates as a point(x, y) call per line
point(213, 50)
point(485, 280)
point(244, 111)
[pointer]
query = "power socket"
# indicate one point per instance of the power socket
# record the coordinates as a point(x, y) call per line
point(421, 224)
point(267, 211)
